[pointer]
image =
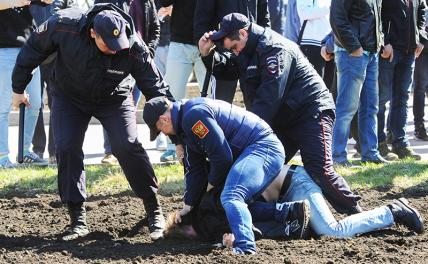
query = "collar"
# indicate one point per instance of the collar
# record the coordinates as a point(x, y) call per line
point(176, 115)
point(254, 33)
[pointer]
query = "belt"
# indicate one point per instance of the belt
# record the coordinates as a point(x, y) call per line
point(287, 180)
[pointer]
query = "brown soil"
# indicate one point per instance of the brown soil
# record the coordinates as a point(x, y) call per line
point(29, 225)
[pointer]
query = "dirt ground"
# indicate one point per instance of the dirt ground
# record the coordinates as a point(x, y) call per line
point(29, 225)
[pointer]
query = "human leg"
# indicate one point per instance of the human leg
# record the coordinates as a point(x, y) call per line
point(263, 161)
point(419, 94)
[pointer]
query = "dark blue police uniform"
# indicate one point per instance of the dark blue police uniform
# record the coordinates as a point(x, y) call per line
point(282, 87)
point(242, 152)
point(87, 83)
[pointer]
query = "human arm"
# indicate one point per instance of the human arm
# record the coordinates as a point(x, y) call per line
point(342, 27)
point(154, 29)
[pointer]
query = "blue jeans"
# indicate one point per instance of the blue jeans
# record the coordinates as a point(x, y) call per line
point(357, 90)
point(161, 55)
point(182, 58)
point(395, 80)
point(251, 173)
point(7, 62)
point(322, 221)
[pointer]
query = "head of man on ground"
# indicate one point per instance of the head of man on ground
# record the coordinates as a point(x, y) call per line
point(157, 115)
point(233, 32)
point(109, 32)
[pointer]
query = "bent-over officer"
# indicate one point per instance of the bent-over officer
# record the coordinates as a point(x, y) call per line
point(284, 89)
point(243, 152)
point(98, 53)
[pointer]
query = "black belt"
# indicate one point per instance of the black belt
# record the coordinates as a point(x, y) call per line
point(287, 180)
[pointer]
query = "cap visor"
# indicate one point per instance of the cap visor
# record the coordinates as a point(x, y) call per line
point(153, 134)
point(218, 35)
point(117, 44)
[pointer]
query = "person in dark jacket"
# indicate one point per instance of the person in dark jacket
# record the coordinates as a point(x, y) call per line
point(208, 15)
point(403, 24)
point(358, 37)
point(420, 92)
point(243, 152)
point(285, 91)
point(16, 25)
point(97, 53)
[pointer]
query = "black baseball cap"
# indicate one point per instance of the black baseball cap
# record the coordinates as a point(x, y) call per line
point(111, 26)
point(154, 108)
point(230, 23)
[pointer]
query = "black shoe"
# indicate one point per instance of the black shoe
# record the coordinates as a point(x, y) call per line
point(420, 132)
point(78, 227)
point(385, 152)
point(296, 224)
point(378, 159)
point(155, 218)
point(406, 152)
point(406, 215)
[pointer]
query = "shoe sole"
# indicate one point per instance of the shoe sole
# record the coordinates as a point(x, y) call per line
point(406, 204)
point(304, 234)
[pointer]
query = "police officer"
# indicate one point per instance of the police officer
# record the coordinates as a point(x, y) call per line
point(283, 89)
point(97, 53)
point(243, 152)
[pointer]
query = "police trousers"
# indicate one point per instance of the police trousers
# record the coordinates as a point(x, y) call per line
point(70, 121)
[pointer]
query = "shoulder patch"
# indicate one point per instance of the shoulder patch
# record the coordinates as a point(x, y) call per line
point(200, 129)
point(272, 65)
point(42, 28)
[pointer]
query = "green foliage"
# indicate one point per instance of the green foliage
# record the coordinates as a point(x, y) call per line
point(111, 180)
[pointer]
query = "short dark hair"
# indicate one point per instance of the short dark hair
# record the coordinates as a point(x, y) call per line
point(234, 35)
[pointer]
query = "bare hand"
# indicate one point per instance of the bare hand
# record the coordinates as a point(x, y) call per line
point(186, 209)
point(47, 1)
point(205, 43)
point(419, 49)
point(21, 98)
point(165, 11)
point(357, 53)
point(228, 240)
point(387, 52)
point(179, 150)
point(326, 56)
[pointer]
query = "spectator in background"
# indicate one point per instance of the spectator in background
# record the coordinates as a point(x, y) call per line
point(209, 13)
point(144, 15)
point(420, 90)
point(183, 55)
point(313, 15)
point(277, 9)
point(292, 21)
point(358, 38)
point(40, 15)
point(16, 27)
point(403, 24)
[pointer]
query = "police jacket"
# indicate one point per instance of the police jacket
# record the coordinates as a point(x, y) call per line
point(275, 77)
point(404, 28)
point(357, 23)
point(213, 130)
point(209, 13)
point(150, 22)
point(83, 72)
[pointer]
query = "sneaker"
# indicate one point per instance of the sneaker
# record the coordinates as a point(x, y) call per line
point(39, 154)
point(109, 159)
point(296, 224)
point(31, 158)
point(406, 152)
point(5, 163)
point(161, 142)
point(378, 159)
point(406, 215)
point(154, 217)
point(386, 153)
point(345, 163)
point(420, 132)
point(77, 227)
point(169, 155)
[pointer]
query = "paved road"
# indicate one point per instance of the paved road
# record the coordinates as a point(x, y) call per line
point(93, 144)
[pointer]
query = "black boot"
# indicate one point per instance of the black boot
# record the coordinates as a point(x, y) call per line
point(295, 225)
point(154, 217)
point(420, 132)
point(78, 227)
point(406, 215)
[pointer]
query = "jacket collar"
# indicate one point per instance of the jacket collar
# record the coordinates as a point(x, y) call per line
point(254, 33)
point(176, 116)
